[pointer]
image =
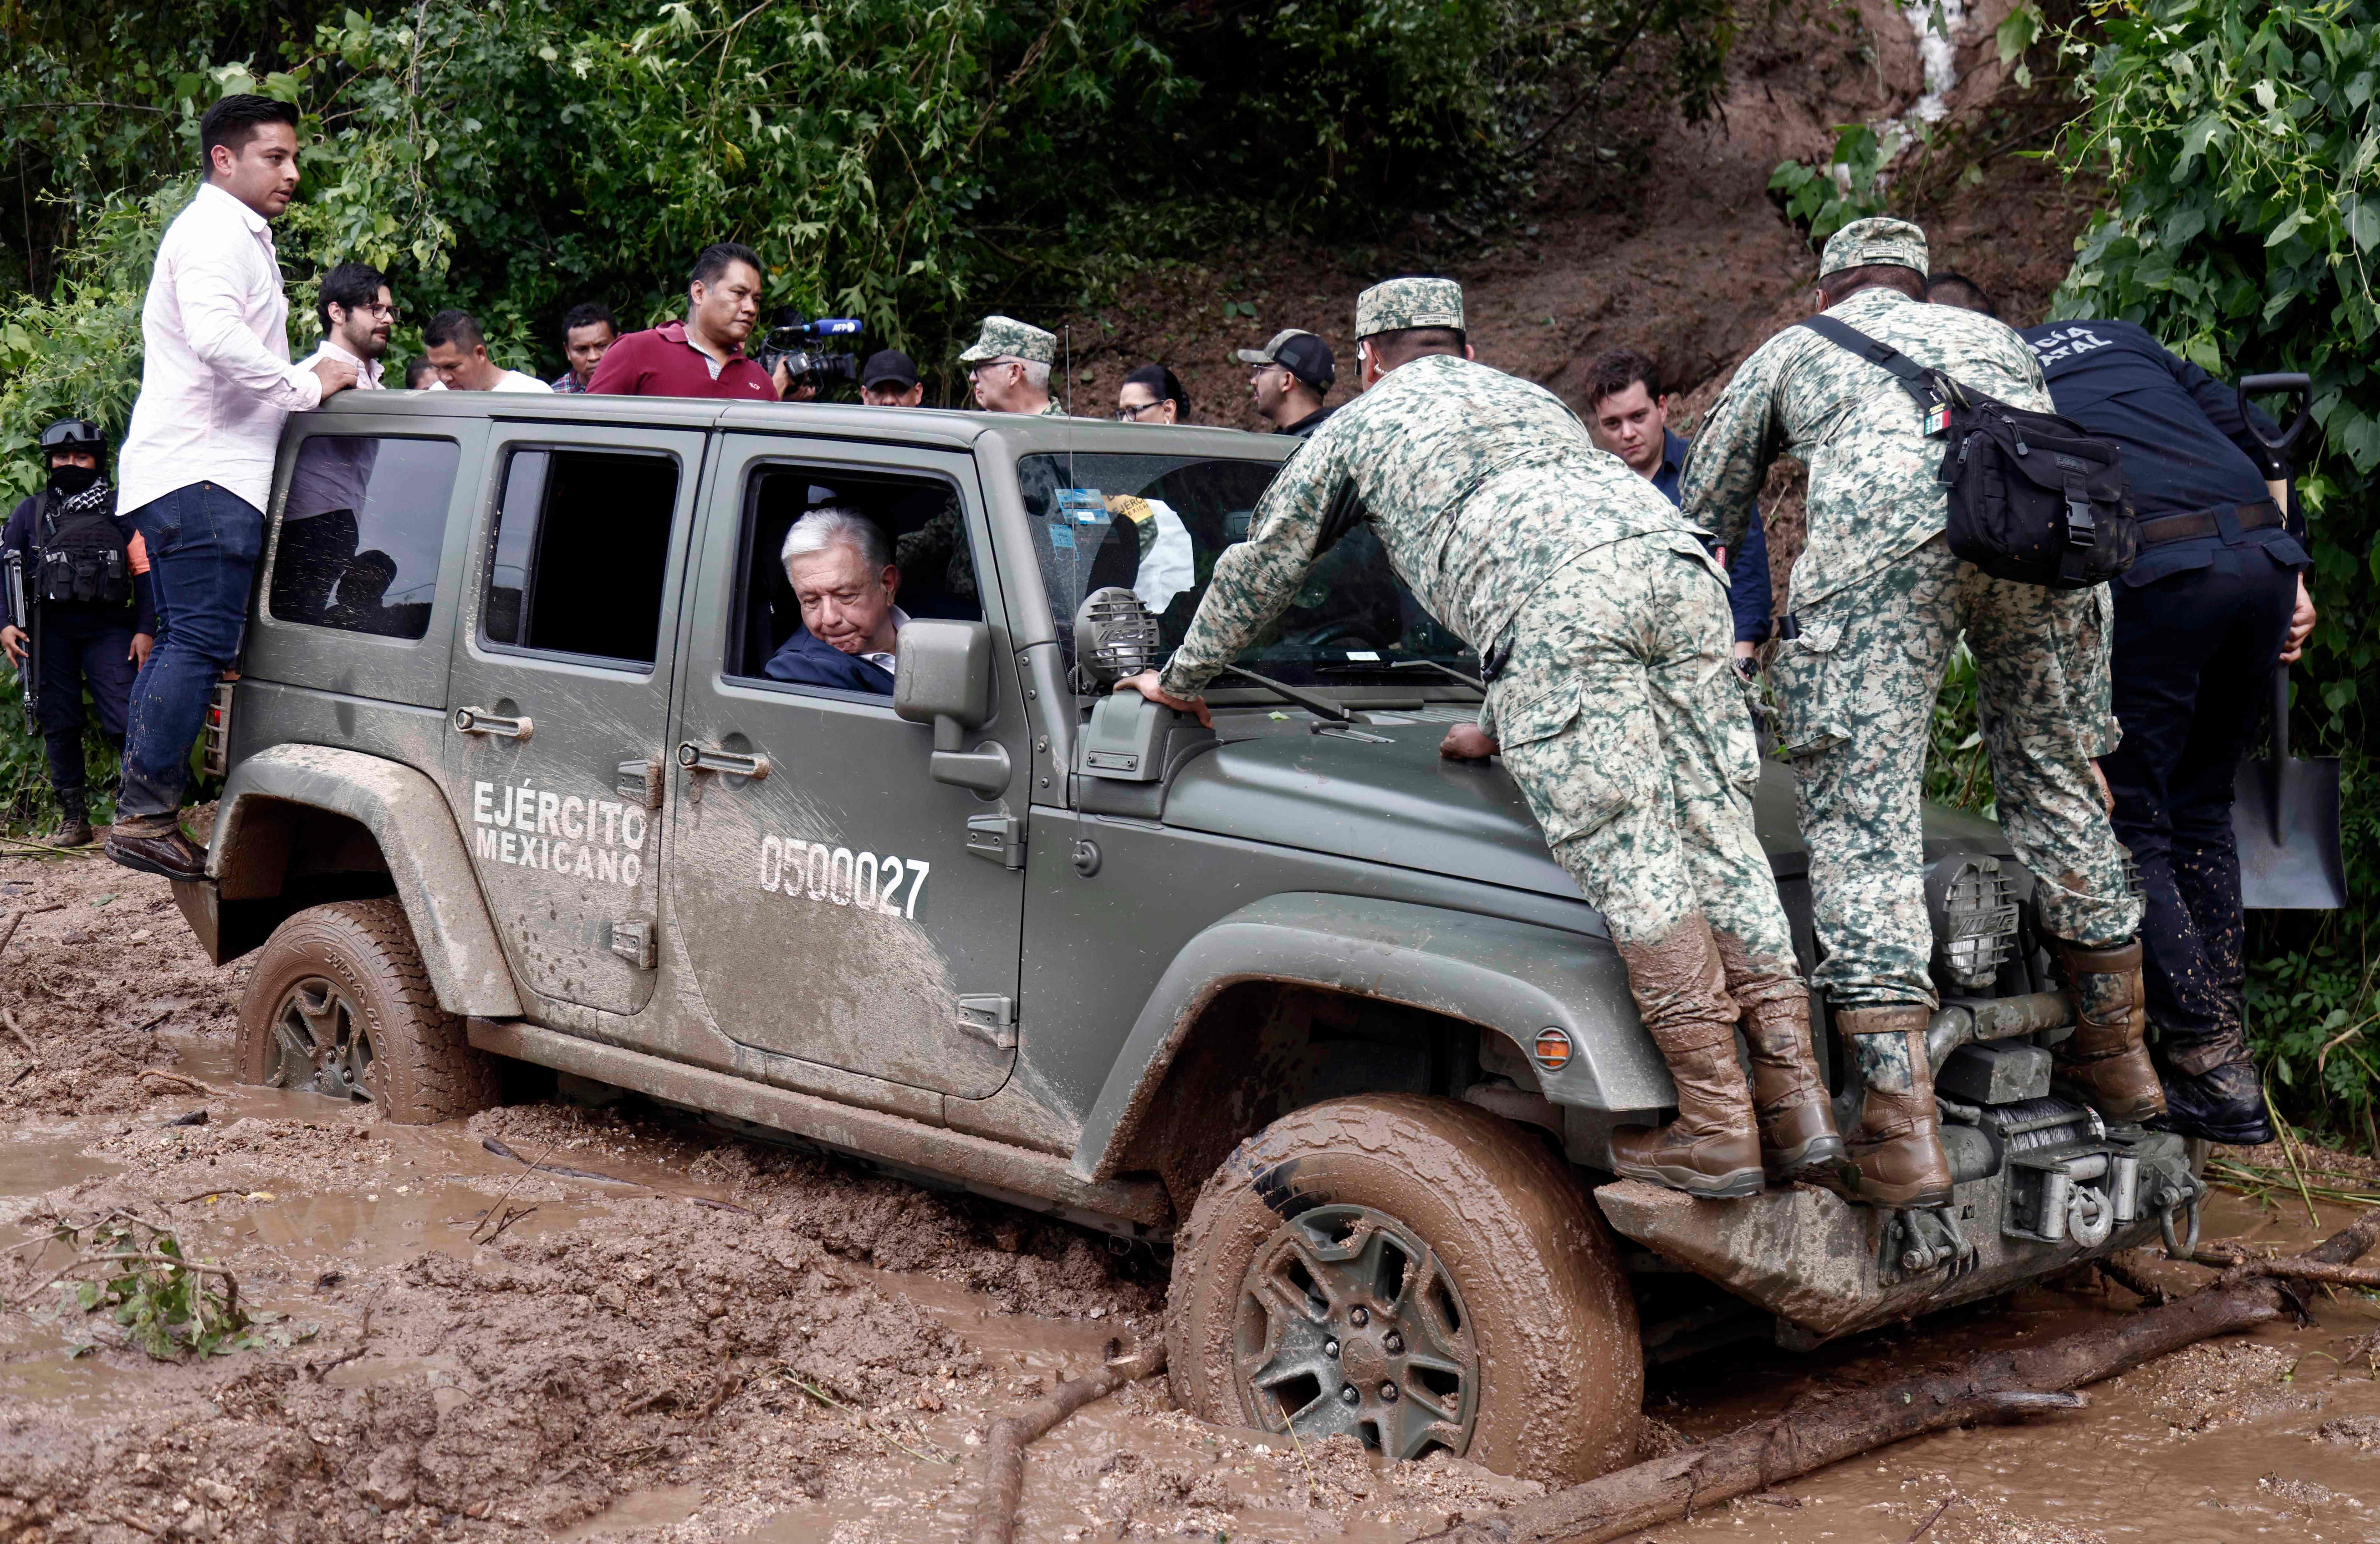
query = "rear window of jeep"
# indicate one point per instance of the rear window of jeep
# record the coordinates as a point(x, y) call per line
point(362, 531)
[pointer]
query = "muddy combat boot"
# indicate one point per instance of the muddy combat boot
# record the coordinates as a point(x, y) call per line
point(1896, 1157)
point(1789, 1098)
point(1711, 1150)
point(74, 825)
point(2211, 1090)
point(2105, 1061)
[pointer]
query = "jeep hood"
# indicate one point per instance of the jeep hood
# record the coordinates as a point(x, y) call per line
point(1380, 792)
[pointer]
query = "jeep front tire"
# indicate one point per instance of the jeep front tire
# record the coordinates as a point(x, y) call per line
point(1417, 1273)
point(340, 1004)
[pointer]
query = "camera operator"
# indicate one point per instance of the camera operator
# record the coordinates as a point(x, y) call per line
point(703, 356)
point(89, 615)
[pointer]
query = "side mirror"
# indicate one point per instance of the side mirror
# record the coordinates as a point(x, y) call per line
point(944, 680)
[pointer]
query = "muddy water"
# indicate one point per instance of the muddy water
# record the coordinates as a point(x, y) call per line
point(639, 1368)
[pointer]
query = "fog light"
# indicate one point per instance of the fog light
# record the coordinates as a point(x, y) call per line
point(1552, 1049)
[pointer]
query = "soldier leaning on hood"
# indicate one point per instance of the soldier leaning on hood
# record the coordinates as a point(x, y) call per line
point(1877, 601)
point(1606, 630)
point(87, 581)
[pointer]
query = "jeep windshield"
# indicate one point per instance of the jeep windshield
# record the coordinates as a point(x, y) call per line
point(1155, 524)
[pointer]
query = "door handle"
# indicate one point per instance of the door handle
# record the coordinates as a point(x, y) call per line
point(711, 758)
point(478, 720)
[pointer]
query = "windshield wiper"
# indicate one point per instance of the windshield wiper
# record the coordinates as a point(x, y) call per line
point(1321, 708)
point(1446, 671)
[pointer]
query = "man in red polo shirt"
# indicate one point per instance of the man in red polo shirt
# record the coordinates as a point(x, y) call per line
point(703, 356)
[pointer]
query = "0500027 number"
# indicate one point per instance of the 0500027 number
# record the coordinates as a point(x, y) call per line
point(842, 877)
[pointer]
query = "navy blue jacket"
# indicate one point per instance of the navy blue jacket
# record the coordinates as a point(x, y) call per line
point(140, 616)
point(1747, 566)
point(806, 659)
point(2186, 448)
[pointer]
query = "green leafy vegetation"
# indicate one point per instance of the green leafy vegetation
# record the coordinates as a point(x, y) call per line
point(2244, 141)
point(136, 1274)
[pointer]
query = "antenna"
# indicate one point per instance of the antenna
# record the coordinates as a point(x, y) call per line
point(1068, 329)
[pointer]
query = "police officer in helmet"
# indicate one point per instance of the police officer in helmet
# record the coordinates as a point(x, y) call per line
point(89, 616)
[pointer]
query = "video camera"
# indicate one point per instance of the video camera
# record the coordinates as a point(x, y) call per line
point(789, 340)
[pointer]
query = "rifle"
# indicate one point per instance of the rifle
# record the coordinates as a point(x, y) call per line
point(28, 674)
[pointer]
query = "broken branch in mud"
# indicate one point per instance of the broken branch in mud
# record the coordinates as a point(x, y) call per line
point(2000, 1385)
point(503, 1149)
point(8, 1017)
point(859, 1419)
point(2247, 1265)
point(191, 1083)
point(1003, 1457)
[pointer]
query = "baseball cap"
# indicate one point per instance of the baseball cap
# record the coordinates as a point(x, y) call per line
point(1007, 338)
point(1297, 351)
point(1878, 239)
point(889, 366)
point(1394, 305)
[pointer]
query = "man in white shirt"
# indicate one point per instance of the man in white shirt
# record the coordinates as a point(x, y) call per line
point(457, 350)
point(197, 463)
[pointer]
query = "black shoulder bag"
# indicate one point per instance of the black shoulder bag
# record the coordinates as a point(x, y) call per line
point(2033, 496)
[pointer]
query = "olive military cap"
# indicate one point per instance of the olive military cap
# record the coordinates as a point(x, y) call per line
point(1874, 240)
point(1007, 338)
point(1393, 305)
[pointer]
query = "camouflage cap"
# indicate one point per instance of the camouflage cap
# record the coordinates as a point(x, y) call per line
point(1007, 338)
point(1878, 239)
point(1393, 305)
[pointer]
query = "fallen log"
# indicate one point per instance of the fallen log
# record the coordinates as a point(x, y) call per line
point(1003, 1458)
point(2245, 1265)
point(2000, 1385)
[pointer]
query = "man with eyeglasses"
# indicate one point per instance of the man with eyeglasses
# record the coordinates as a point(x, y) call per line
point(1009, 363)
point(1288, 379)
point(356, 315)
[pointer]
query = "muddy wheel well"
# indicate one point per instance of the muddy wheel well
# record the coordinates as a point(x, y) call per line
point(287, 857)
point(1261, 1049)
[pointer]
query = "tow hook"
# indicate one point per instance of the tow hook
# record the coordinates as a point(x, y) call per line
point(2183, 1198)
point(1920, 1239)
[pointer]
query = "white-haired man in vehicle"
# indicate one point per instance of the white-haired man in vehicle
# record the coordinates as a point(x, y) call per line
point(840, 563)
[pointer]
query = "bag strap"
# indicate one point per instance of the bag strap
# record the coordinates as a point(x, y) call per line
point(1914, 377)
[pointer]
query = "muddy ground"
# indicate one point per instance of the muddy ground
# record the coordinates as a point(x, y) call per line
point(727, 1339)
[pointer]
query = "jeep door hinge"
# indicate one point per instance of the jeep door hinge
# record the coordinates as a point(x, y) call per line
point(632, 941)
point(640, 782)
point(1000, 838)
point(991, 1019)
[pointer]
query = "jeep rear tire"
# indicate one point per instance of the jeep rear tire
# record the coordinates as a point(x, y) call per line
point(341, 1005)
point(1418, 1273)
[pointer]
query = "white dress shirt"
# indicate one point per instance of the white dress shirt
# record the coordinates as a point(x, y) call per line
point(215, 379)
point(890, 663)
point(368, 371)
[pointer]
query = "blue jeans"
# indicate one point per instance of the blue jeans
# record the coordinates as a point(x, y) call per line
point(203, 547)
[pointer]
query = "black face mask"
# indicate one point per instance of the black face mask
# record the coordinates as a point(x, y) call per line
point(69, 480)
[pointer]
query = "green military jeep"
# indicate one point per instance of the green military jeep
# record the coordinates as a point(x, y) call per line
point(507, 778)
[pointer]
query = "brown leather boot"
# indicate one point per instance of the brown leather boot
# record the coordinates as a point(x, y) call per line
point(2106, 1060)
point(1711, 1150)
point(1896, 1157)
point(1789, 1098)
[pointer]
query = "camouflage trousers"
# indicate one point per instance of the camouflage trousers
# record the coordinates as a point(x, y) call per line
point(1855, 693)
point(1629, 733)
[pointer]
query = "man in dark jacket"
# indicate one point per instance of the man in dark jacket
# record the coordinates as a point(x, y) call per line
point(1627, 414)
point(2216, 595)
point(841, 566)
point(85, 579)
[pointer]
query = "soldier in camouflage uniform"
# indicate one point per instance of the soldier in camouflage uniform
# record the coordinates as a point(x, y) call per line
point(1010, 363)
point(1875, 606)
point(1608, 631)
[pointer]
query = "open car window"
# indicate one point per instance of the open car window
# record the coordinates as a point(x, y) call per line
point(924, 518)
point(1156, 524)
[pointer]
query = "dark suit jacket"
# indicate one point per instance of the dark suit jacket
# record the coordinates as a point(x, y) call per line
point(809, 661)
